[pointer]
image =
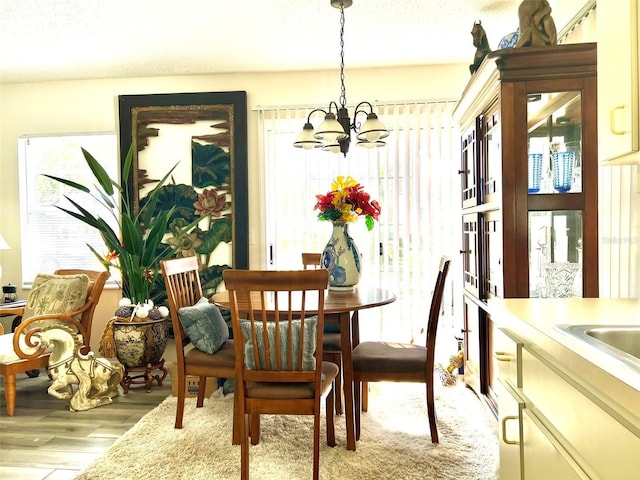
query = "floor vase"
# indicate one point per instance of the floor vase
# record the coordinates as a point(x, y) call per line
point(140, 343)
point(341, 258)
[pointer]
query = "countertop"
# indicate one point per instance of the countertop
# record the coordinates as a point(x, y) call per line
point(535, 322)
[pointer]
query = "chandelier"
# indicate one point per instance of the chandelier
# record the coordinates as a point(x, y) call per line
point(334, 133)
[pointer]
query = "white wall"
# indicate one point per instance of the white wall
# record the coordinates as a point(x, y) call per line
point(91, 106)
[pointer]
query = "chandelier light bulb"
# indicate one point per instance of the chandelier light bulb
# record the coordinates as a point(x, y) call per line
point(332, 147)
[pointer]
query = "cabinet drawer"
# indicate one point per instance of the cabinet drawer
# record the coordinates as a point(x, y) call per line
point(509, 432)
point(507, 352)
point(607, 449)
point(544, 458)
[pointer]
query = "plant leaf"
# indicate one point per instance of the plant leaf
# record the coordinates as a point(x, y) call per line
point(70, 183)
point(131, 236)
point(99, 173)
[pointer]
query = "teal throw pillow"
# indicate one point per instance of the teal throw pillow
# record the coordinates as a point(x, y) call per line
point(309, 345)
point(204, 325)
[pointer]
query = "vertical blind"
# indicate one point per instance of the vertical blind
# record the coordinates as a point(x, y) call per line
point(415, 180)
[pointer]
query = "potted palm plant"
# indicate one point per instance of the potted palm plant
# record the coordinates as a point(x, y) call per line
point(137, 333)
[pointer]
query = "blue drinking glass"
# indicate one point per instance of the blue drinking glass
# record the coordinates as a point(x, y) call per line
point(562, 166)
point(534, 172)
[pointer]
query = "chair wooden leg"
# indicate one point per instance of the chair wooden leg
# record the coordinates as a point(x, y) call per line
point(330, 418)
point(431, 413)
point(336, 358)
point(254, 428)
point(182, 385)
point(365, 396)
point(236, 437)
point(10, 393)
point(338, 388)
point(316, 446)
point(244, 447)
point(357, 395)
point(202, 386)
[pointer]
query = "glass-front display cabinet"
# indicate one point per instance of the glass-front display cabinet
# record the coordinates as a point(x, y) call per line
point(529, 176)
point(554, 167)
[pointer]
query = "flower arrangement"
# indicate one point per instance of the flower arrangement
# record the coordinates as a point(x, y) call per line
point(346, 202)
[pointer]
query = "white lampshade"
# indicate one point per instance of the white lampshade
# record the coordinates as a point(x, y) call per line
point(330, 131)
point(373, 129)
point(306, 139)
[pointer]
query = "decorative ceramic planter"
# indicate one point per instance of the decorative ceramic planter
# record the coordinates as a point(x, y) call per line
point(140, 343)
point(341, 258)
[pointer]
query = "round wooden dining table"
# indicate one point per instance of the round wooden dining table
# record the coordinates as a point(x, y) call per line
point(342, 307)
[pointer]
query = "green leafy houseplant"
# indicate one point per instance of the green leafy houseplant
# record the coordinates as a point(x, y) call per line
point(171, 220)
point(137, 252)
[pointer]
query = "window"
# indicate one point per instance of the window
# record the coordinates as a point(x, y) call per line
point(52, 239)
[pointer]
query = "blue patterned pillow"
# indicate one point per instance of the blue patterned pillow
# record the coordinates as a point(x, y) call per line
point(309, 346)
point(204, 325)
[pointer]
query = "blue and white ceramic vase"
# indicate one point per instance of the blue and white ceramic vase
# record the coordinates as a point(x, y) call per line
point(509, 40)
point(341, 258)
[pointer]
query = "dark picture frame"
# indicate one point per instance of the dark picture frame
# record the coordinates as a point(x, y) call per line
point(216, 125)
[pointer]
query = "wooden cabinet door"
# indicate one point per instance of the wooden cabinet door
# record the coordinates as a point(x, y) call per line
point(471, 344)
point(470, 253)
point(469, 169)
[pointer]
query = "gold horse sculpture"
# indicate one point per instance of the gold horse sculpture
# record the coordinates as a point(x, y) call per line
point(97, 378)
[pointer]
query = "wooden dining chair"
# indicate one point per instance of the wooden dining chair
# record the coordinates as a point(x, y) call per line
point(278, 320)
point(395, 362)
point(311, 260)
point(184, 289)
point(331, 350)
point(18, 352)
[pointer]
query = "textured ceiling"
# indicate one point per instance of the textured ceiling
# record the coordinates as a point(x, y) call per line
point(74, 39)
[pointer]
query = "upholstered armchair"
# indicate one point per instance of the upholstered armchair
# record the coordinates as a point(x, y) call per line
point(68, 297)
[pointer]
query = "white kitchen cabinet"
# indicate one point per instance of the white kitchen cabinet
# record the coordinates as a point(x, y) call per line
point(618, 81)
point(545, 459)
point(564, 412)
point(509, 431)
point(576, 422)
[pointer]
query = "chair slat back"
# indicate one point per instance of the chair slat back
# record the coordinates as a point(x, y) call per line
point(182, 281)
point(434, 311)
point(274, 312)
point(311, 260)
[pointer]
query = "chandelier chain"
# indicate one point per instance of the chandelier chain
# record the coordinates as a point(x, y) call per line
point(343, 91)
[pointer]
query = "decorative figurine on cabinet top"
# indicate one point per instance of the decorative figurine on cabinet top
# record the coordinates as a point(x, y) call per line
point(482, 45)
point(537, 28)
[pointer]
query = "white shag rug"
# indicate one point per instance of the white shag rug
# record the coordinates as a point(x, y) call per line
point(394, 443)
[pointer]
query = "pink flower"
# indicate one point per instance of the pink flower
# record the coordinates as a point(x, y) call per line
point(209, 202)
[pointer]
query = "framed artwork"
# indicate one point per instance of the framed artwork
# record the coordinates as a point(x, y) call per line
point(203, 137)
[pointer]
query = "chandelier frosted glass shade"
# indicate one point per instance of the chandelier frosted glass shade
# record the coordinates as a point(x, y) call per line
point(372, 130)
point(306, 139)
point(330, 130)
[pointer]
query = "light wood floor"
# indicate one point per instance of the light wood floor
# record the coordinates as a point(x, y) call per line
point(44, 440)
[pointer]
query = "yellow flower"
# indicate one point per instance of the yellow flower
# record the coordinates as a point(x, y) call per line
point(341, 183)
